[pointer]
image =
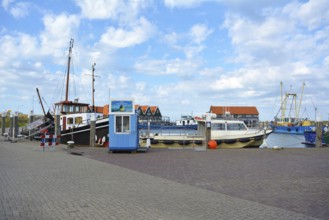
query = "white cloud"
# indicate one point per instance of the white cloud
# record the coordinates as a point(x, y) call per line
point(6, 3)
point(58, 30)
point(191, 42)
point(140, 86)
point(312, 14)
point(300, 68)
point(182, 3)
point(100, 9)
point(227, 83)
point(124, 10)
point(199, 33)
point(167, 67)
point(278, 38)
point(22, 46)
point(17, 9)
point(245, 31)
point(141, 31)
point(20, 10)
point(209, 72)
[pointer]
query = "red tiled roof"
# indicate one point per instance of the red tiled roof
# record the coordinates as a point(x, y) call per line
point(144, 108)
point(153, 109)
point(234, 110)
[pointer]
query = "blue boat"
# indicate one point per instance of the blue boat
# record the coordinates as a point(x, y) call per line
point(310, 137)
point(293, 129)
point(289, 121)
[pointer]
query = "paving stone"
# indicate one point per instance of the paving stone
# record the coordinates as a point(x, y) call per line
point(160, 184)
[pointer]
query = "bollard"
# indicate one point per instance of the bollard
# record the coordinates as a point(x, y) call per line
point(318, 131)
point(57, 124)
point(49, 140)
point(31, 119)
point(16, 128)
point(11, 129)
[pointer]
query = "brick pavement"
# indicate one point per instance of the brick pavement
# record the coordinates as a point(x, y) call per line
point(57, 185)
point(291, 179)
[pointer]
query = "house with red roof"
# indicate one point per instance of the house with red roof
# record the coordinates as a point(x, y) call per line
point(146, 113)
point(248, 114)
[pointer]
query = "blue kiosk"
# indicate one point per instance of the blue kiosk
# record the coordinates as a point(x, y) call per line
point(123, 126)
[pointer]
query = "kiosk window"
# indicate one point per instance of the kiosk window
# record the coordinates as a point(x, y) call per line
point(122, 124)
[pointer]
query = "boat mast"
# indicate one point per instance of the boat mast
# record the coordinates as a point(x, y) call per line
point(283, 103)
point(43, 109)
point(300, 101)
point(68, 70)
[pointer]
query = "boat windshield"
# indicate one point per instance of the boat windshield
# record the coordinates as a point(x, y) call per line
point(228, 126)
point(236, 126)
point(218, 126)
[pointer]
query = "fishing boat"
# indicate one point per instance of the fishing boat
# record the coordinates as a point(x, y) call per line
point(288, 121)
point(75, 116)
point(226, 134)
point(310, 136)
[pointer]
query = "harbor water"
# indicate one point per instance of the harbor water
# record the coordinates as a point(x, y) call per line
point(285, 141)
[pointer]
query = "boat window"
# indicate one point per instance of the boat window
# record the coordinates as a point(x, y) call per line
point(65, 108)
point(122, 124)
point(71, 108)
point(69, 121)
point(218, 126)
point(77, 109)
point(236, 126)
point(78, 120)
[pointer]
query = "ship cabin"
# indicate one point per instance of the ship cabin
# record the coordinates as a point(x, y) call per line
point(75, 114)
point(221, 127)
point(69, 107)
point(248, 114)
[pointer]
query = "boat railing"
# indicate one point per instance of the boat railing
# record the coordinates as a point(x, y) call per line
point(87, 121)
point(168, 132)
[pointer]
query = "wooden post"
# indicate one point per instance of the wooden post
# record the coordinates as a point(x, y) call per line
point(16, 128)
point(57, 125)
point(318, 140)
point(148, 128)
point(11, 129)
point(208, 133)
point(3, 124)
point(92, 130)
point(208, 128)
point(31, 119)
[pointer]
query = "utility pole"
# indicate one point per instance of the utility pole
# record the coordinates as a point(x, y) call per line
point(93, 86)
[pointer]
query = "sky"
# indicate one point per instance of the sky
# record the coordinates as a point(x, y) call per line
point(180, 55)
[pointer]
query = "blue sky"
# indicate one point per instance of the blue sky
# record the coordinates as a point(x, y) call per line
point(180, 55)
